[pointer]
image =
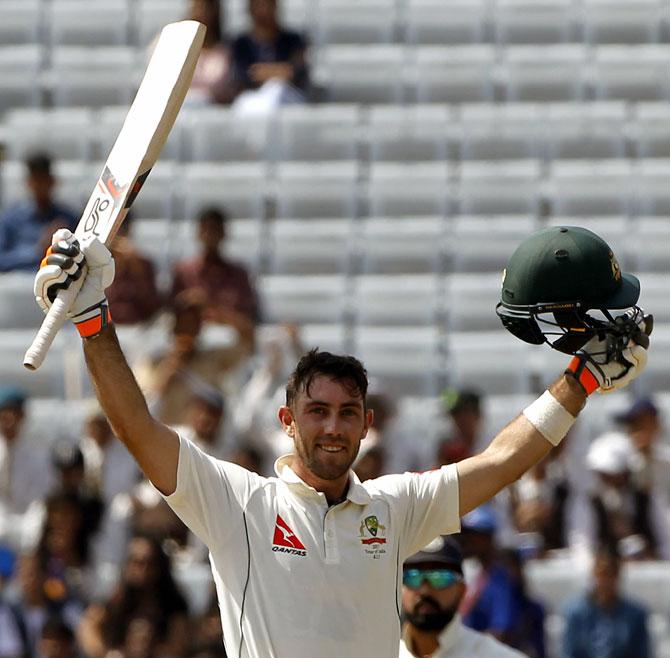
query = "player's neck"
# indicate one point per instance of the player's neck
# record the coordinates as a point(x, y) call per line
point(421, 643)
point(335, 491)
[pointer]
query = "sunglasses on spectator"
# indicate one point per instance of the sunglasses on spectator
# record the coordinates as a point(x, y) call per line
point(436, 578)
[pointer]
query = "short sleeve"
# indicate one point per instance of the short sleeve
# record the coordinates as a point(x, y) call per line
point(211, 494)
point(427, 503)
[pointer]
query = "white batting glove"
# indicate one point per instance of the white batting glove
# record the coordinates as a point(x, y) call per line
point(597, 367)
point(65, 261)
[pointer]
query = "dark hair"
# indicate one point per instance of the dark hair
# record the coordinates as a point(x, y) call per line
point(39, 164)
point(55, 628)
point(213, 214)
point(334, 366)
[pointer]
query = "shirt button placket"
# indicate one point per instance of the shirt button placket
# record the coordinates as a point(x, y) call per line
point(330, 539)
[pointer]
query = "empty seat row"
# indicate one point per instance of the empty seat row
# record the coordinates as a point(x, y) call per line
point(349, 21)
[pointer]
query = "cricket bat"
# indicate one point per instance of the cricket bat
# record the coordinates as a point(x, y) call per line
point(145, 130)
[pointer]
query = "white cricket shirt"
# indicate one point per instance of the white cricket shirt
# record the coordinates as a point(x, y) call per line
point(298, 579)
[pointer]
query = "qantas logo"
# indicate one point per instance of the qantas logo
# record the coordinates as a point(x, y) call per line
point(285, 540)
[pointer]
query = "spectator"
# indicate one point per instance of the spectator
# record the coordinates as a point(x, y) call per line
point(26, 472)
point(12, 641)
point(247, 457)
point(372, 457)
point(210, 80)
point(527, 634)
point(224, 285)
point(269, 53)
point(204, 420)
point(109, 468)
point(171, 379)
point(602, 622)
point(488, 605)
point(146, 588)
point(620, 508)
point(464, 409)
point(433, 588)
point(27, 226)
point(208, 634)
point(133, 296)
point(57, 640)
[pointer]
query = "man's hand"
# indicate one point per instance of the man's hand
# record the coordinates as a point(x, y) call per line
point(603, 366)
point(65, 261)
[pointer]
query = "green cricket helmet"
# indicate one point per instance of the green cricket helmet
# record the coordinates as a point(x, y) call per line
point(554, 278)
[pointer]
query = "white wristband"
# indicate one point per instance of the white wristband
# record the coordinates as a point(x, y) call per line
point(549, 417)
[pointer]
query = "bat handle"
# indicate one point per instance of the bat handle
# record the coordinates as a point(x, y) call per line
point(51, 324)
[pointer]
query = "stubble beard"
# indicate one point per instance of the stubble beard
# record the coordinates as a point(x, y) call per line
point(320, 463)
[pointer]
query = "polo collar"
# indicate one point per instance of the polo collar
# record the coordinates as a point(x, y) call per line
point(356, 493)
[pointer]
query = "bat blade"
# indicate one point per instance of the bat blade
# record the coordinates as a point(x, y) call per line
point(137, 147)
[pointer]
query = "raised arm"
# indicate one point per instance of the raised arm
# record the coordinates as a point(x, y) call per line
point(154, 446)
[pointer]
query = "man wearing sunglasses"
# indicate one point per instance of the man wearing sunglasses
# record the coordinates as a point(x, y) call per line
point(432, 591)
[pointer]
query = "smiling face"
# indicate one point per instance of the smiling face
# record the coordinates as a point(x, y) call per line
point(326, 422)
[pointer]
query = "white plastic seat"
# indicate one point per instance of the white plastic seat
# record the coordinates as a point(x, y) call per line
point(94, 76)
point(651, 183)
point(349, 21)
point(484, 244)
point(159, 194)
point(445, 21)
point(330, 337)
point(217, 134)
point(498, 132)
point(18, 300)
point(397, 299)
point(528, 21)
point(310, 246)
point(152, 15)
point(633, 73)
point(20, 21)
point(402, 244)
point(317, 189)
point(400, 190)
point(81, 22)
point(456, 74)
point(471, 302)
point(622, 21)
point(401, 360)
point(654, 295)
point(590, 187)
point(649, 247)
point(651, 130)
point(586, 130)
point(300, 298)
point(366, 74)
point(64, 134)
point(239, 188)
point(538, 73)
point(656, 376)
point(499, 188)
point(20, 82)
point(414, 132)
point(320, 132)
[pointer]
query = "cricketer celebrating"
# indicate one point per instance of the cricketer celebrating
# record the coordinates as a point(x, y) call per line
point(310, 562)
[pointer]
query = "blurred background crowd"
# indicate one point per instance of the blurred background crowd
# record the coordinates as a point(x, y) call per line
point(220, 286)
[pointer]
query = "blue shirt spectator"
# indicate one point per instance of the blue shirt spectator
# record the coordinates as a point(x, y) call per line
point(26, 227)
point(603, 624)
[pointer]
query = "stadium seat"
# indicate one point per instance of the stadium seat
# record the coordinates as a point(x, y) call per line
point(63, 133)
point(400, 190)
point(445, 21)
point(320, 132)
point(456, 74)
point(498, 188)
point(649, 130)
point(218, 134)
point(351, 21)
point(331, 337)
point(18, 300)
point(83, 23)
point(398, 299)
point(590, 187)
point(633, 73)
point(160, 192)
point(471, 301)
point(239, 188)
point(410, 132)
point(151, 15)
point(654, 286)
point(622, 21)
point(651, 183)
point(20, 80)
point(539, 73)
point(20, 21)
point(93, 77)
point(656, 376)
point(310, 246)
point(317, 189)
point(299, 298)
point(649, 246)
point(393, 245)
point(499, 132)
point(529, 22)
